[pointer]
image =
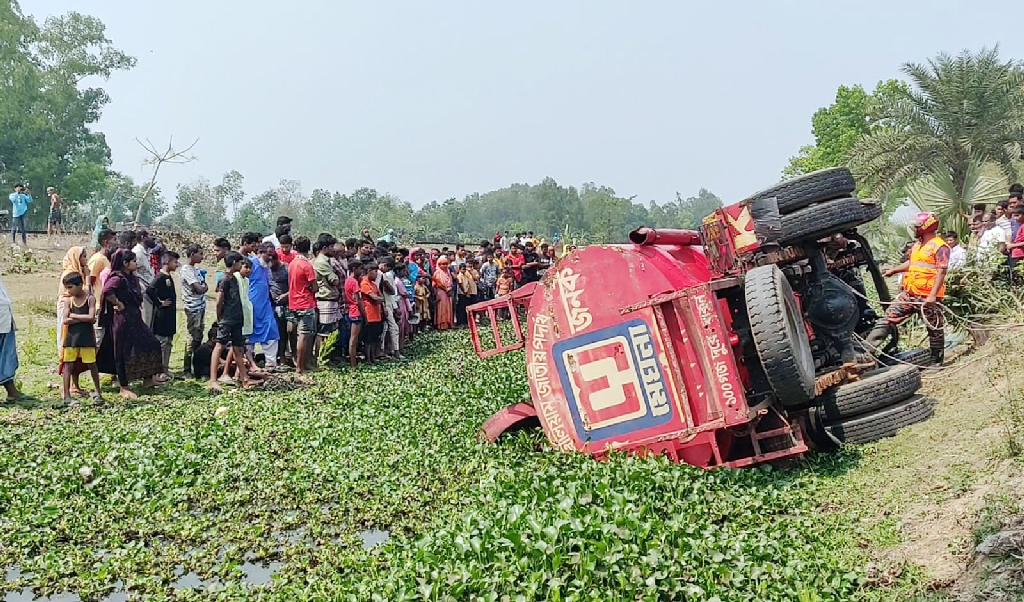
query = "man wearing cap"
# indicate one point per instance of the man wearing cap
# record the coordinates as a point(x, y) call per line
point(284, 226)
point(923, 287)
point(55, 222)
point(19, 206)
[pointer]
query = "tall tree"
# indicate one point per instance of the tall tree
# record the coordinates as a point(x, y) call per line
point(202, 207)
point(44, 113)
point(960, 114)
point(838, 127)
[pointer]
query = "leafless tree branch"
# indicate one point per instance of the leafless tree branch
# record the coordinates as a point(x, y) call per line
point(157, 159)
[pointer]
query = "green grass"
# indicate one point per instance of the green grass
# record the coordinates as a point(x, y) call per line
point(134, 495)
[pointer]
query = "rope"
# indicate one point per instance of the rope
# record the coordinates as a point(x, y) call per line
point(924, 318)
point(943, 307)
point(878, 351)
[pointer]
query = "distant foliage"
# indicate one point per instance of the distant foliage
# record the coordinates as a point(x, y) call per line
point(546, 209)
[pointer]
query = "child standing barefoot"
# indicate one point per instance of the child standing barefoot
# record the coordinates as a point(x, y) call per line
point(230, 322)
point(80, 340)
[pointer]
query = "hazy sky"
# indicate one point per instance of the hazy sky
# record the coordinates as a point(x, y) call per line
point(429, 100)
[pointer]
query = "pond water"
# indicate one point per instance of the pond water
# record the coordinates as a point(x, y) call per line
point(374, 537)
point(255, 574)
point(26, 595)
point(258, 574)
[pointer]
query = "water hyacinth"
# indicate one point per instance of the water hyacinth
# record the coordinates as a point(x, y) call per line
point(297, 478)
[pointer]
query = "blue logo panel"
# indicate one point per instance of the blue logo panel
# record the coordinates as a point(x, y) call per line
point(613, 381)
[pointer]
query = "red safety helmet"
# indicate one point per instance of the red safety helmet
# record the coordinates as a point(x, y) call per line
point(925, 222)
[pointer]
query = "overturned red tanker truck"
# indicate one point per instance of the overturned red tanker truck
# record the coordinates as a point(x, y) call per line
point(728, 346)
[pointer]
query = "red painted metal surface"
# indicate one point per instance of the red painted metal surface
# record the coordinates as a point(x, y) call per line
point(727, 233)
point(507, 419)
point(629, 347)
point(664, 236)
point(508, 306)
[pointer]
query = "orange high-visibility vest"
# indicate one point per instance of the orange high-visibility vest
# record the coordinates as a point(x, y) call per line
point(920, 277)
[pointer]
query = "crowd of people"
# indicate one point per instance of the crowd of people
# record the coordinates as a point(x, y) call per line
point(280, 302)
point(997, 238)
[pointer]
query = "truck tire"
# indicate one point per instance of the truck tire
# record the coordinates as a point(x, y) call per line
point(825, 219)
point(777, 328)
point(917, 357)
point(876, 389)
point(815, 187)
point(882, 423)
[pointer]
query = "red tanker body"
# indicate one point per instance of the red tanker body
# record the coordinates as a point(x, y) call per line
point(709, 358)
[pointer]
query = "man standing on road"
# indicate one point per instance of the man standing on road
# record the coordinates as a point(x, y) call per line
point(55, 222)
point(19, 206)
point(923, 287)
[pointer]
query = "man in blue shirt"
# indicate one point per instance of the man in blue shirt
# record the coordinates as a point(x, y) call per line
point(19, 205)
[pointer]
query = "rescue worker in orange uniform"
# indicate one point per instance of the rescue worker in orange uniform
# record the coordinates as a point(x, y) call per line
point(924, 285)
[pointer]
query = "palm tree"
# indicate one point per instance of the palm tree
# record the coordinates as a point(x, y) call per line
point(960, 116)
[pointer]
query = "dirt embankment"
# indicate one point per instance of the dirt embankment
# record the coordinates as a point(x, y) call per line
point(944, 479)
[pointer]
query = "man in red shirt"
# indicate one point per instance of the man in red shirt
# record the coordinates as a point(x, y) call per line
point(302, 303)
point(1016, 247)
point(355, 316)
point(372, 310)
point(516, 261)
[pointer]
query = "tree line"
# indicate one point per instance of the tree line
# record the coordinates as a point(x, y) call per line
point(588, 213)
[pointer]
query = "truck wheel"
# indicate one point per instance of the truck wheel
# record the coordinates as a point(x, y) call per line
point(882, 423)
point(824, 219)
point(876, 389)
point(779, 334)
point(918, 357)
point(822, 185)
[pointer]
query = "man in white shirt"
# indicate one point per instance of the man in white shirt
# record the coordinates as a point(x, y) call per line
point(993, 239)
point(1003, 218)
point(957, 254)
point(284, 226)
point(145, 272)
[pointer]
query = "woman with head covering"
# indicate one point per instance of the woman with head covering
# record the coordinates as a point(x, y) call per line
point(74, 262)
point(102, 223)
point(414, 268)
point(443, 313)
point(129, 348)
